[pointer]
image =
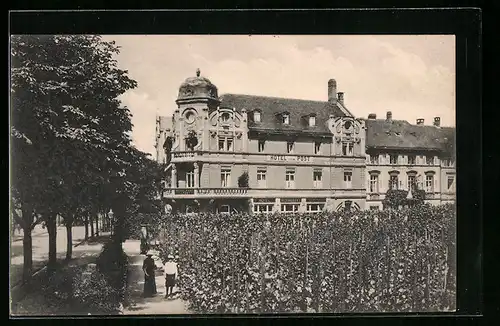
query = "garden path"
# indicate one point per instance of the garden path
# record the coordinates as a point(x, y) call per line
point(139, 305)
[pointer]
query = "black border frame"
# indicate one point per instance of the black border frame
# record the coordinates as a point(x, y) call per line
point(464, 23)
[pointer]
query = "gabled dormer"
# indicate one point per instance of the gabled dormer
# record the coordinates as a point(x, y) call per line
point(256, 116)
point(283, 118)
point(309, 120)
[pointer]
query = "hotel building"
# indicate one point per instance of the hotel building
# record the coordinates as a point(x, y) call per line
point(264, 154)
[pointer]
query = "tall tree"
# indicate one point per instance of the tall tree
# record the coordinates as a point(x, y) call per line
point(64, 101)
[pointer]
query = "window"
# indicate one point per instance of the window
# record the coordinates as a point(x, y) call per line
point(285, 118)
point(315, 208)
point(263, 208)
point(225, 209)
point(261, 178)
point(412, 182)
point(225, 144)
point(289, 208)
point(290, 179)
point(348, 179)
point(317, 179)
point(317, 148)
point(190, 179)
point(348, 205)
point(347, 149)
point(374, 183)
point(289, 147)
point(393, 182)
point(312, 121)
point(451, 179)
point(393, 159)
point(190, 117)
point(429, 183)
point(374, 208)
point(225, 117)
point(429, 160)
point(225, 177)
point(374, 159)
point(412, 159)
point(256, 116)
point(261, 145)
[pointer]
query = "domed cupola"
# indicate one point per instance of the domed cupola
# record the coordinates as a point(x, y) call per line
point(197, 88)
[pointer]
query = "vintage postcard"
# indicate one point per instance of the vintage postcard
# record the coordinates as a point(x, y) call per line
point(220, 174)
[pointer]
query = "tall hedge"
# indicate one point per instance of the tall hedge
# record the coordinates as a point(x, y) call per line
point(390, 260)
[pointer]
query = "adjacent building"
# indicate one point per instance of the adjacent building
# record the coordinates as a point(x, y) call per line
point(238, 152)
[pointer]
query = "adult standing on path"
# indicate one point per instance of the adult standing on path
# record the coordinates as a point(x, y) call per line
point(171, 272)
point(149, 267)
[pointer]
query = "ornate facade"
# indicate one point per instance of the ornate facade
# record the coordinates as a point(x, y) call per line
point(263, 154)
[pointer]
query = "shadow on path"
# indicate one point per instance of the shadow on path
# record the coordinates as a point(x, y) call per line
point(136, 302)
point(33, 300)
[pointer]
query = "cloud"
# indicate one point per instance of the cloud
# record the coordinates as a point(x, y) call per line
point(412, 76)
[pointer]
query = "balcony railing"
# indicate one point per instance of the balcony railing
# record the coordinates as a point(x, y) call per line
point(186, 191)
point(205, 191)
point(184, 154)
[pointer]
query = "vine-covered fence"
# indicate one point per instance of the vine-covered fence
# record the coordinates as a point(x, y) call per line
point(365, 261)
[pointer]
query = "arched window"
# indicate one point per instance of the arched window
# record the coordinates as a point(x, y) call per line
point(225, 117)
point(348, 206)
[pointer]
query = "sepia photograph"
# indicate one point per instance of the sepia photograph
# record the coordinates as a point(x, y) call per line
point(232, 174)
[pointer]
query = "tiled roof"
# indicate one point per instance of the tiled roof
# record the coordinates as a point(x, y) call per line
point(271, 107)
point(400, 134)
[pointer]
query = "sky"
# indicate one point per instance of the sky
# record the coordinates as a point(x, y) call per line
point(413, 76)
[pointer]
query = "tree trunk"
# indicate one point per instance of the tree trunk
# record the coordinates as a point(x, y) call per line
point(97, 225)
point(26, 223)
point(52, 230)
point(91, 222)
point(28, 255)
point(69, 238)
point(86, 223)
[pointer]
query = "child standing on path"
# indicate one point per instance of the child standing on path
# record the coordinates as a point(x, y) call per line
point(171, 272)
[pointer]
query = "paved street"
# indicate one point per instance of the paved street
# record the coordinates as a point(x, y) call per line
point(41, 249)
point(138, 305)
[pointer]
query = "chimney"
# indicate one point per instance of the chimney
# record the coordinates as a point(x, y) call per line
point(372, 116)
point(389, 116)
point(332, 91)
point(437, 121)
point(340, 97)
point(420, 122)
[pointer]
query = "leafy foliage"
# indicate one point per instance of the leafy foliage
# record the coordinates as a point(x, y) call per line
point(71, 148)
point(191, 140)
point(390, 260)
point(394, 198)
point(243, 180)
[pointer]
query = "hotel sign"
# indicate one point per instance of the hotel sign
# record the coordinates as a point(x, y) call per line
point(286, 158)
